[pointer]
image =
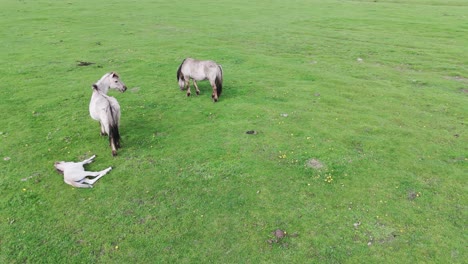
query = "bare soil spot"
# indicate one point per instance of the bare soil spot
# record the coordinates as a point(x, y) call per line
point(84, 63)
point(278, 233)
point(457, 78)
point(412, 195)
point(314, 164)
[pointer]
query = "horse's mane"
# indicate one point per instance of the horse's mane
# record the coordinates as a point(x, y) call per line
point(96, 84)
point(179, 71)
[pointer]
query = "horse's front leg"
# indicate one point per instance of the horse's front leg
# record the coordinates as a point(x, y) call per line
point(87, 161)
point(187, 83)
point(196, 87)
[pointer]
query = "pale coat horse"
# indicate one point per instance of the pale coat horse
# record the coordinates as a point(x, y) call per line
point(106, 109)
point(199, 70)
point(75, 174)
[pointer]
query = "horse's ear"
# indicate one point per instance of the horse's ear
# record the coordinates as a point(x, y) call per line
point(114, 75)
point(95, 86)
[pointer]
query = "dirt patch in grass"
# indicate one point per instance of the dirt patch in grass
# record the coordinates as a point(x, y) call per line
point(314, 164)
point(413, 195)
point(457, 78)
point(278, 238)
point(84, 63)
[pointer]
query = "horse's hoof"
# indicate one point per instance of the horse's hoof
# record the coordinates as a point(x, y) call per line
point(198, 93)
point(114, 153)
point(188, 94)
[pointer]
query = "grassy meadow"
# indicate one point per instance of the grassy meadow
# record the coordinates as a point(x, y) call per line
point(359, 108)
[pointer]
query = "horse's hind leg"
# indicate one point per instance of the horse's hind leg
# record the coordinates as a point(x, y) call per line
point(113, 146)
point(214, 95)
point(103, 129)
point(196, 87)
point(97, 175)
point(81, 185)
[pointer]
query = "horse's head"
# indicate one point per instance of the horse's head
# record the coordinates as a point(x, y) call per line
point(116, 83)
point(60, 166)
point(182, 84)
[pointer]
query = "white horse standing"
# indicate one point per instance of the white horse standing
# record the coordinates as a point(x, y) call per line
point(198, 70)
point(106, 109)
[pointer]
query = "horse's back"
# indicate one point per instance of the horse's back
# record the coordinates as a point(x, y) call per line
point(100, 104)
point(200, 69)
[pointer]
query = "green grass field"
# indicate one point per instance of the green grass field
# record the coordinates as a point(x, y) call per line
point(373, 91)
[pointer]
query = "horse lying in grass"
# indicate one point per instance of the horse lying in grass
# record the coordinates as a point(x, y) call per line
point(198, 71)
point(75, 175)
point(106, 109)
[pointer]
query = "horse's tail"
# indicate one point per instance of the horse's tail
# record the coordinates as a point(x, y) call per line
point(179, 71)
point(114, 135)
point(219, 80)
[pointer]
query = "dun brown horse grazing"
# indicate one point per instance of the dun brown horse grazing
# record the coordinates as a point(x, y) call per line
point(198, 71)
point(106, 109)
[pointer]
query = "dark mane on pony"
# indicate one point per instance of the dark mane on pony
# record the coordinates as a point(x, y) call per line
point(179, 71)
